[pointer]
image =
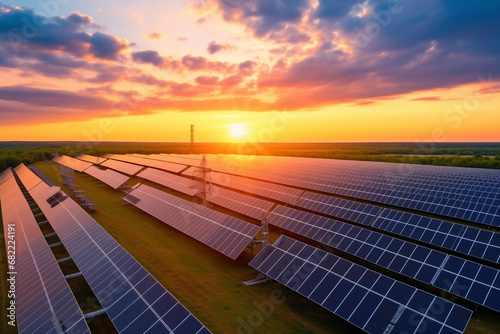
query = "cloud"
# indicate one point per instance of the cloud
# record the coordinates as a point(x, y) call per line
point(24, 32)
point(52, 98)
point(156, 36)
point(107, 47)
point(207, 80)
point(427, 98)
point(149, 57)
point(213, 47)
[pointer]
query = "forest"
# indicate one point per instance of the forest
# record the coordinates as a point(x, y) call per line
point(477, 155)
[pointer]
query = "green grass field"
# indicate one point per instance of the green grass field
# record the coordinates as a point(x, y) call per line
point(209, 284)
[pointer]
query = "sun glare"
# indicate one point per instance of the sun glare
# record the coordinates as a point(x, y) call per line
point(237, 131)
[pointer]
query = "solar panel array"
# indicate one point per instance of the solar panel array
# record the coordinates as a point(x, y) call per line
point(264, 189)
point(108, 176)
point(338, 207)
point(164, 165)
point(123, 167)
point(465, 193)
point(91, 159)
point(134, 301)
point(44, 300)
point(226, 234)
point(472, 241)
point(249, 206)
point(467, 240)
point(183, 160)
point(403, 257)
point(72, 163)
point(178, 183)
point(368, 300)
point(418, 262)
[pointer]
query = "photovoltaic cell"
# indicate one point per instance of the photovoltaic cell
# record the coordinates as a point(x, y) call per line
point(366, 299)
point(249, 206)
point(479, 243)
point(72, 163)
point(179, 183)
point(44, 300)
point(226, 234)
point(108, 176)
point(418, 262)
point(134, 301)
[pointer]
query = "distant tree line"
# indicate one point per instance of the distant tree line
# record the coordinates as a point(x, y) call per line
point(480, 155)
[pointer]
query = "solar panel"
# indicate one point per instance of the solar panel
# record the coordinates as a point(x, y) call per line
point(249, 206)
point(179, 183)
point(465, 193)
point(371, 301)
point(472, 281)
point(44, 300)
point(123, 167)
point(189, 161)
point(164, 165)
point(226, 234)
point(91, 159)
point(418, 262)
point(338, 207)
point(31, 180)
point(264, 189)
point(72, 163)
point(134, 301)
point(479, 243)
point(108, 176)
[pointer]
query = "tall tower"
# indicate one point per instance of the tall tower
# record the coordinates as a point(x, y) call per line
point(192, 135)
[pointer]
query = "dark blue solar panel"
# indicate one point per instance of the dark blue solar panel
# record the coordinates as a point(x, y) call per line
point(411, 260)
point(469, 280)
point(369, 300)
point(467, 240)
point(112, 273)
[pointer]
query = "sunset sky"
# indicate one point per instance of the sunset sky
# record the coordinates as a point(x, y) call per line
point(250, 70)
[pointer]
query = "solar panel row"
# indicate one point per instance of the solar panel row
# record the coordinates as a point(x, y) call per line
point(108, 176)
point(179, 183)
point(249, 206)
point(467, 240)
point(123, 167)
point(472, 281)
point(134, 301)
point(368, 300)
point(226, 234)
point(91, 159)
point(418, 262)
point(479, 243)
point(72, 163)
point(403, 257)
point(264, 189)
point(164, 165)
point(338, 207)
point(44, 300)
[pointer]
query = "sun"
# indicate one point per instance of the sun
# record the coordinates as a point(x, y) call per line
point(237, 131)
